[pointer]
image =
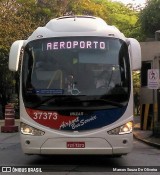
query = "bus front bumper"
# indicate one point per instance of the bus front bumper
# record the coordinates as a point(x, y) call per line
point(77, 146)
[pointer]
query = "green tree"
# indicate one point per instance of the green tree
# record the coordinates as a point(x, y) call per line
point(87, 7)
point(6, 8)
point(123, 17)
point(150, 17)
point(17, 21)
point(136, 91)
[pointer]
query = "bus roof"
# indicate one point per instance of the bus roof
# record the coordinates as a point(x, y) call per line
point(76, 26)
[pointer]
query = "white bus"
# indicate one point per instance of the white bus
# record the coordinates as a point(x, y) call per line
point(76, 87)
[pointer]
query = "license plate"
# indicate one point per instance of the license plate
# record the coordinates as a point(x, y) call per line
point(75, 144)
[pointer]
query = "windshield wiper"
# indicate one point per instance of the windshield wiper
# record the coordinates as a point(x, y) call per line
point(47, 100)
point(57, 99)
point(78, 101)
point(105, 101)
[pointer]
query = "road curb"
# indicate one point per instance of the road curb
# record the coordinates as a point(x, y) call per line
point(146, 141)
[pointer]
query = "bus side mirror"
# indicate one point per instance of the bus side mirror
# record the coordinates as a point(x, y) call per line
point(135, 53)
point(14, 55)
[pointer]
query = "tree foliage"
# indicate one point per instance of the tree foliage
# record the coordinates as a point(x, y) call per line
point(122, 17)
point(17, 22)
point(150, 18)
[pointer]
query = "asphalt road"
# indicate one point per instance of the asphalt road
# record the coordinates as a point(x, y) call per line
point(142, 156)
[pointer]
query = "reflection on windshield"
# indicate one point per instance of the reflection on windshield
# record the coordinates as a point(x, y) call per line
point(76, 70)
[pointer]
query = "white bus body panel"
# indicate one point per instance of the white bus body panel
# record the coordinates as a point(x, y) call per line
point(80, 26)
point(135, 53)
point(14, 55)
point(97, 141)
point(94, 145)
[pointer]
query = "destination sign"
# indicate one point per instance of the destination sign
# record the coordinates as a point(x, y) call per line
point(75, 44)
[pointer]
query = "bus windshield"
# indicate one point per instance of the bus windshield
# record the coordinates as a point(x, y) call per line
point(65, 72)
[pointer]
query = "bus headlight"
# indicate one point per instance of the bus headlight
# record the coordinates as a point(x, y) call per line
point(124, 129)
point(29, 130)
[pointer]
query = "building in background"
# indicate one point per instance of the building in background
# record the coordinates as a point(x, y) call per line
point(149, 98)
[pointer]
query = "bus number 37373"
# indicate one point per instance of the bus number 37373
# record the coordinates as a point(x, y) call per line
point(45, 115)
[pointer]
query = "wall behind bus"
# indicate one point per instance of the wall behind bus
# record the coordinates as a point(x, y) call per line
point(150, 54)
point(150, 60)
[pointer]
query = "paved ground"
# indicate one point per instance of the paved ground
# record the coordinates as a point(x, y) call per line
point(4, 135)
point(145, 136)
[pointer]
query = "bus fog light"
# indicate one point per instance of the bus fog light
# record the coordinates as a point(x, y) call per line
point(124, 129)
point(29, 130)
point(27, 142)
point(125, 141)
